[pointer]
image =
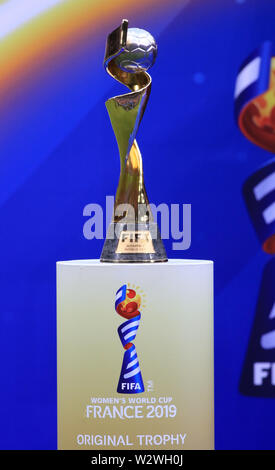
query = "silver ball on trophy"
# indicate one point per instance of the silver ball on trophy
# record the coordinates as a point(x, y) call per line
point(140, 52)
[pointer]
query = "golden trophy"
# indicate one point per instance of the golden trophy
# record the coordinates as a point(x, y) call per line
point(132, 236)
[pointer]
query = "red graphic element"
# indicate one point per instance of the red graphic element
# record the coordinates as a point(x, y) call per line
point(129, 307)
point(257, 118)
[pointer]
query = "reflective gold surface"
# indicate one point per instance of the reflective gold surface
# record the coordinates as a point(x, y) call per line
point(125, 113)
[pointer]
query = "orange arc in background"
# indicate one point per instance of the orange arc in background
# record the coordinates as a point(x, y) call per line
point(25, 51)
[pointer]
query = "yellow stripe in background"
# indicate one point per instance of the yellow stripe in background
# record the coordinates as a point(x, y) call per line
point(15, 13)
point(32, 36)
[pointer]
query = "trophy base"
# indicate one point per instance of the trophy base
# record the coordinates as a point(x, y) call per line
point(133, 243)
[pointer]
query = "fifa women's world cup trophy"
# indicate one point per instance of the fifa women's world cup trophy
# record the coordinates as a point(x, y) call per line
point(132, 236)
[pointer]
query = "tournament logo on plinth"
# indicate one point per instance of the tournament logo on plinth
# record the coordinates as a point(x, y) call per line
point(127, 305)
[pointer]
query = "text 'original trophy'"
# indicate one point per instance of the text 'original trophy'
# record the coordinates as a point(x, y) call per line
point(132, 236)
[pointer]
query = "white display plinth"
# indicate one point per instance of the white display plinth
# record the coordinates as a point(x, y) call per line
point(174, 347)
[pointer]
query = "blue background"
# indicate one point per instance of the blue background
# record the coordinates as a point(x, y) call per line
point(59, 154)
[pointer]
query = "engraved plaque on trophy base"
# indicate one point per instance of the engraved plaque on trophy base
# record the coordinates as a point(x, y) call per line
point(130, 243)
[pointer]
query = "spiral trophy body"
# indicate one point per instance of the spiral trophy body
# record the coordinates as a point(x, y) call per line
point(126, 305)
point(132, 236)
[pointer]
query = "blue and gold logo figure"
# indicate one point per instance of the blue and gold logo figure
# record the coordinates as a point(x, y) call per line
point(127, 305)
point(255, 113)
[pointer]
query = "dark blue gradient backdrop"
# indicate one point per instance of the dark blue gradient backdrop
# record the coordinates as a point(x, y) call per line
point(58, 153)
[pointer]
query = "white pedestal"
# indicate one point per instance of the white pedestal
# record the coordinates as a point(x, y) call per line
point(174, 346)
